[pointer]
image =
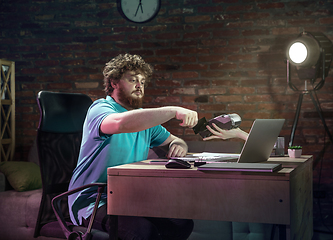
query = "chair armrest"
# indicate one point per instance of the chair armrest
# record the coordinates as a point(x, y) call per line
point(56, 201)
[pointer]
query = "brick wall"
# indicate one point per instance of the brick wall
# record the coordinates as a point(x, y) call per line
point(213, 56)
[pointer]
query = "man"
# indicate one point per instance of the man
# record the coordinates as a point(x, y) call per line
point(118, 131)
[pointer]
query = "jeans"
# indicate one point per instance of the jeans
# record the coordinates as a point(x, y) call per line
point(144, 228)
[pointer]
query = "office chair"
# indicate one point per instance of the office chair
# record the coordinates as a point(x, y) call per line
point(58, 142)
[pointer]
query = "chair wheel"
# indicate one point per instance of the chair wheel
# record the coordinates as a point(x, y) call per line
point(75, 236)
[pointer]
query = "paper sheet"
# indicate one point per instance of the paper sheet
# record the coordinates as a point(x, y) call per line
point(204, 156)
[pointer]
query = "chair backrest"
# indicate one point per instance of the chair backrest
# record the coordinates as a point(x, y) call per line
point(58, 142)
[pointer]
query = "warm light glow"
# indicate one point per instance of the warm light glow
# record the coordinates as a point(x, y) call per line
point(298, 52)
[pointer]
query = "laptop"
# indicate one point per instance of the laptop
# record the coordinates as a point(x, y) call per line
point(257, 148)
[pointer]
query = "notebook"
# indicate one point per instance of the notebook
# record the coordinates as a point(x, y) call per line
point(242, 167)
point(257, 148)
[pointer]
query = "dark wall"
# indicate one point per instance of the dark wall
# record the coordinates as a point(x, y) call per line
point(212, 56)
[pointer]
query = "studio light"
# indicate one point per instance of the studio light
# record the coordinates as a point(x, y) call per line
point(311, 54)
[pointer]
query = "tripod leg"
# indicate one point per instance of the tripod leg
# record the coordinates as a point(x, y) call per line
point(298, 109)
point(321, 117)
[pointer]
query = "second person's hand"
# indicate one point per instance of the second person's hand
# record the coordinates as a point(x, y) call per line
point(225, 134)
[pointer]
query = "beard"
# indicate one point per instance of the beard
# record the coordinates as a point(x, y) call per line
point(130, 101)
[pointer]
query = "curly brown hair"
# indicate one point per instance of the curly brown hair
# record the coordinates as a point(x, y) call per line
point(116, 67)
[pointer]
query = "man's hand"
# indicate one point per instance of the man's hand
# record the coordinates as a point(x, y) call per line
point(140, 119)
point(177, 150)
point(188, 117)
point(177, 146)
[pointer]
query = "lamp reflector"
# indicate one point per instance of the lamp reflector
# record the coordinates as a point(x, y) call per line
point(311, 53)
point(298, 52)
point(304, 51)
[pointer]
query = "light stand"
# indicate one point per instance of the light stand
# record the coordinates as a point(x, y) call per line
point(311, 53)
point(300, 100)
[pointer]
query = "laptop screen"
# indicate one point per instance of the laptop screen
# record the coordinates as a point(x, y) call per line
point(260, 142)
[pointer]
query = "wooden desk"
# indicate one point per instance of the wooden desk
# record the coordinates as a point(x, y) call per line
point(283, 198)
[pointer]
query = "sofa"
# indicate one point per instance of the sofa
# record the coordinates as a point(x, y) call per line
point(19, 202)
point(20, 196)
point(19, 213)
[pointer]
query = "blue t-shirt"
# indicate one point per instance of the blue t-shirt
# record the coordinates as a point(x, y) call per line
point(99, 151)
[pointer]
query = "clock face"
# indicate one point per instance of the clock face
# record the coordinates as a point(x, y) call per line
point(139, 11)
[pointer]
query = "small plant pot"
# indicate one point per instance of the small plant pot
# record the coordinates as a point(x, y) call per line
point(294, 153)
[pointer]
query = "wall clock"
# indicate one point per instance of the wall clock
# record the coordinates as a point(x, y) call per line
point(139, 11)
